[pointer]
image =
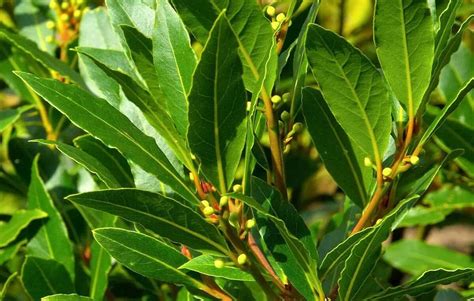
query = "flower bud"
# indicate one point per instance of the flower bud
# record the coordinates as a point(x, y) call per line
point(223, 201)
point(285, 116)
point(387, 171)
point(280, 17)
point(414, 160)
point(276, 99)
point(275, 25)
point(242, 259)
point(367, 162)
point(64, 5)
point(191, 176)
point(208, 211)
point(77, 14)
point(271, 11)
point(205, 203)
point(49, 39)
point(237, 188)
point(219, 263)
point(250, 223)
point(64, 17)
point(286, 97)
point(298, 127)
point(50, 24)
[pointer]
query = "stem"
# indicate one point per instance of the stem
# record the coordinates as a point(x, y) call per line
point(342, 16)
point(368, 210)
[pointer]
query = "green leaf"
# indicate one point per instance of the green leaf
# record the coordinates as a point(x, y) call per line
point(153, 110)
point(452, 79)
point(144, 255)
point(100, 265)
point(404, 41)
point(44, 277)
point(416, 257)
point(29, 47)
point(111, 127)
point(134, 13)
point(52, 241)
point(337, 151)
point(353, 89)
point(20, 220)
point(446, 21)
point(199, 16)
point(366, 253)
point(64, 297)
point(217, 107)
point(109, 157)
point(420, 215)
point(10, 251)
point(456, 197)
point(10, 116)
point(204, 264)
point(448, 109)
point(7, 283)
point(424, 283)
point(175, 62)
point(163, 215)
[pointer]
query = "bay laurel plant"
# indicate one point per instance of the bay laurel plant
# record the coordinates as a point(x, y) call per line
point(193, 122)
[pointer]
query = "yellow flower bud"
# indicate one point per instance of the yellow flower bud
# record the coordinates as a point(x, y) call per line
point(219, 263)
point(387, 171)
point(191, 176)
point(367, 162)
point(79, 2)
point(276, 99)
point(271, 11)
point(64, 17)
point(237, 188)
point(53, 4)
point(242, 259)
point(250, 223)
point(205, 203)
point(50, 24)
point(223, 201)
point(275, 25)
point(208, 211)
point(85, 10)
point(414, 160)
point(280, 17)
point(49, 39)
point(64, 5)
point(77, 14)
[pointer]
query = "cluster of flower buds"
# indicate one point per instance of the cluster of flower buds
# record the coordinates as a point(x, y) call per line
point(277, 19)
point(241, 259)
point(68, 18)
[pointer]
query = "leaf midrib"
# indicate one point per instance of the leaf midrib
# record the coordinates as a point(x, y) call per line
point(406, 61)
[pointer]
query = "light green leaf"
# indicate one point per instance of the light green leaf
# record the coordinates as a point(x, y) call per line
point(446, 21)
point(163, 215)
point(424, 283)
point(353, 89)
point(29, 47)
point(337, 151)
point(456, 197)
point(52, 241)
point(144, 255)
point(420, 215)
point(175, 62)
point(65, 297)
point(10, 251)
point(134, 13)
point(6, 285)
point(204, 264)
point(44, 277)
point(404, 41)
point(416, 257)
point(217, 107)
point(100, 265)
point(10, 116)
point(111, 127)
point(366, 253)
point(19, 221)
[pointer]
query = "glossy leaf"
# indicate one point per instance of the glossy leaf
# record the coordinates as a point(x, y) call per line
point(353, 89)
point(52, 240)
point(144, 255)
point(29, 47)
point(446, 21)
point(366, 253)
point(217, 107)
point(336, 149)
point(101, 264)
point(20, 220)
point(44, 277)
point(6, 285)
point(175, 62)
point(204, 264)
point(163, 215)
point(111, 127)
point(416, 257)
point(424, 283)
point(404, 41)
point(134, 13)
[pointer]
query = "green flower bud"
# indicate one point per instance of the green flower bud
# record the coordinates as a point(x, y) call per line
point(276, 99)
point(387, 171)
point(237, 188)
point(242, 259)
point(285, 116)
point(298, 127)
point(223, 201)
point(250, 223)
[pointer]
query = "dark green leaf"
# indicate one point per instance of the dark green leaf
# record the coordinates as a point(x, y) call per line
point(204, 264)
point(174, 62)
point(19, 221)
point(337, 151)
point(446, 21)
point(353, 89)
point(134, 13)
point(52, 241)
point(44, 277)
point(416, 257)
point(158, 213)
point(217, 107)
point(10, 251)
point(424, 283)
point(366, 253)
point(100, 265)
point(64, 297)
point(10, 116)
point(111, 127)
point(405, 47)
point(144, 255)
point(6, 285)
